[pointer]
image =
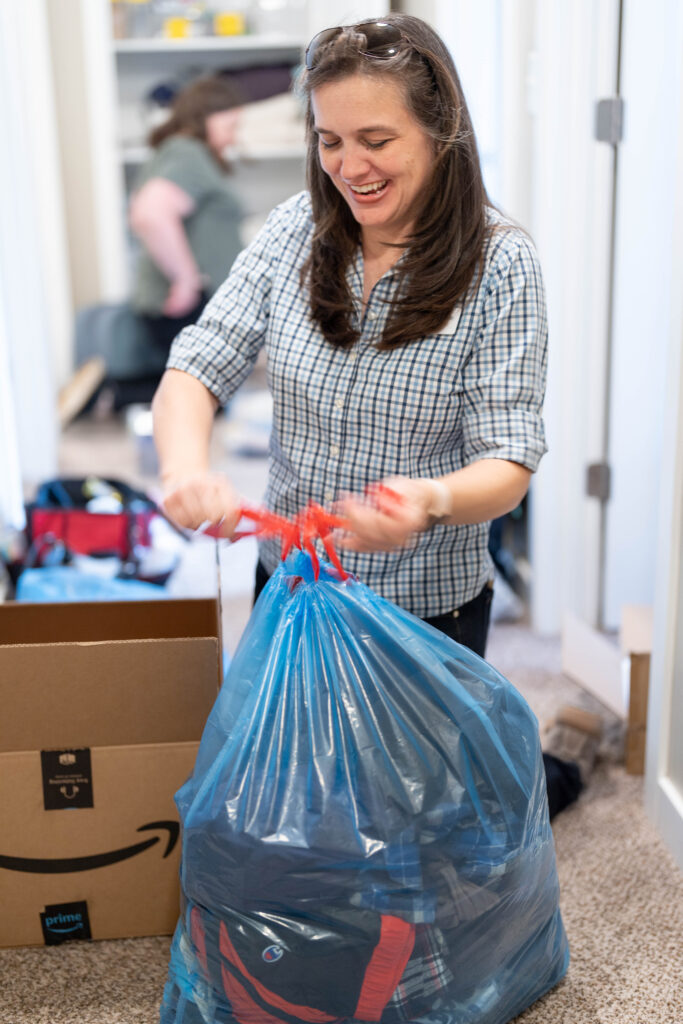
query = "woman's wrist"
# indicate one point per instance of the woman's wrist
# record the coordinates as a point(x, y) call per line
point(171, 479)
point(439, 504)
point(192, 279)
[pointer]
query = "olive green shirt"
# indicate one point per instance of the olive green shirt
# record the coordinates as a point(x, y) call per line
point(213, 229)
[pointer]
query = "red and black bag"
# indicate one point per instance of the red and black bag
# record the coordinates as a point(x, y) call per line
point(64, 512)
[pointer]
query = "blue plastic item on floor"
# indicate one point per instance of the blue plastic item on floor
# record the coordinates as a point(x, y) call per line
point(64, 583)
point(365, 833)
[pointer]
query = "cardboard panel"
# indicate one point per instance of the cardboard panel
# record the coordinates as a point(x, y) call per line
point(106, 694)
point(28, 623)
point(128, 886)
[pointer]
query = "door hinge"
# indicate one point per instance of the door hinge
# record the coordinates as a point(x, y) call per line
point(609, 120)
point(599, 481)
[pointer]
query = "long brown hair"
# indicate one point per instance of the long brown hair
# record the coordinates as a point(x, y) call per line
point(444, 252)
point(193, 104)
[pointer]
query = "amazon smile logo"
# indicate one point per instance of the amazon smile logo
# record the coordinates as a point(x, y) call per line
point(66, 865)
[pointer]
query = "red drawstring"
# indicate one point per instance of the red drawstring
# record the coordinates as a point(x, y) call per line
point(310, 524)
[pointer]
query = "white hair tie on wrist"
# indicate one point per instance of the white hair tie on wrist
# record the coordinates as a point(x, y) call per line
point(440, 501)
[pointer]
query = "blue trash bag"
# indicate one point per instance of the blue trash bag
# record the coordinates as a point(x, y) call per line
point(365, 835)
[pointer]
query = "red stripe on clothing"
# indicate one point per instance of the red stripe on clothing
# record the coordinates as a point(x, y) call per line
point(386, 967)
point(243, 1006)
point(199, 939)
point(306, 1013)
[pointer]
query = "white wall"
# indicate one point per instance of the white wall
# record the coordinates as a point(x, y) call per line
point(85, 100)
point(11, 496)
point(35, 309)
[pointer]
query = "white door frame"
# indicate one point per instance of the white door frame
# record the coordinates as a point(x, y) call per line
point(576, 50)
point(664, 767)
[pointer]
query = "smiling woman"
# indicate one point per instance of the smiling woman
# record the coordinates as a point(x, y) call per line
point(403, 322)
point(439, 202)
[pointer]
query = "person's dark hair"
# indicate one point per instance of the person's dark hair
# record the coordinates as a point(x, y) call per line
point(193, 104)
point(445, 251)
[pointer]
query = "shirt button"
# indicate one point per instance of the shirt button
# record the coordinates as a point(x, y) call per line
point(328, 495)
point(339, 403)
point(456, 613)
point(353, 354)
point(372, 315)
point(334, 450)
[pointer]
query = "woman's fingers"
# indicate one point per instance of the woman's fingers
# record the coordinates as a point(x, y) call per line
point(204, 499)
point(387, 517)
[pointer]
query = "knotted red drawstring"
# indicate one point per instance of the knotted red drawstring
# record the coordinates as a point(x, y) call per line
point(310, 524)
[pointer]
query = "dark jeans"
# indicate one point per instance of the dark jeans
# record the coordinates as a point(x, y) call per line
point(469, 626)
point(163, 329)
point(159, 334)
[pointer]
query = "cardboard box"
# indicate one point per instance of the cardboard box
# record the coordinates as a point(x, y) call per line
point(102, 706)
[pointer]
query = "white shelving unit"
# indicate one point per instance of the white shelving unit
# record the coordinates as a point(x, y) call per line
point(263, 175)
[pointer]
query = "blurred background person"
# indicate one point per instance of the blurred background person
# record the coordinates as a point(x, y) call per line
point(187, 220)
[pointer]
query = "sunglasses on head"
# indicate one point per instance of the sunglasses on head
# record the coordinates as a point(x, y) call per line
point(382, 41)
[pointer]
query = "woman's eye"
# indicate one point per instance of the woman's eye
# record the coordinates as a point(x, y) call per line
point(377, 145)
point(328, 145)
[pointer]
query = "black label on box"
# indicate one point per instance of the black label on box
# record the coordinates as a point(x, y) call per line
point(67, 778)
point(62, 922)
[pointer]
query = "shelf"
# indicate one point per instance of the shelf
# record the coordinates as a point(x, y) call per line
point(209, 43)
point(131, 155)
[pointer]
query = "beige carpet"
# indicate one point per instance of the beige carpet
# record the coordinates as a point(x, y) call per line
point(622, 900)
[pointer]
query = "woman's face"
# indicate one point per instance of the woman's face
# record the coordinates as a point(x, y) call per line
point(221, 128)
point(374, 150)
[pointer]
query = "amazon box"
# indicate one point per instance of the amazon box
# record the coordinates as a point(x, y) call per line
point(102, 706)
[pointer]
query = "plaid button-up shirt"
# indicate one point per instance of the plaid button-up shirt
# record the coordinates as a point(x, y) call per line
point(346, 417)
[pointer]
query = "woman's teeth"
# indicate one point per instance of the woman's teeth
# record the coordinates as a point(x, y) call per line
point(365, 190)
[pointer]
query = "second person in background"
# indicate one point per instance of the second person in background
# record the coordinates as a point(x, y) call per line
point(183, 211)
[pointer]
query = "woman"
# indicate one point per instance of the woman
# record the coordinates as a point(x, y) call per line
point(404, 326)
point(182, 211)
point(188, 223)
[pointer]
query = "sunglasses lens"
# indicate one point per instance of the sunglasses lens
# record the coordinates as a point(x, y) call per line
point(383, 40)
point(326, 36)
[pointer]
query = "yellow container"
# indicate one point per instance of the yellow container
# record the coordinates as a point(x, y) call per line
point(229, 23)
point(177, 28)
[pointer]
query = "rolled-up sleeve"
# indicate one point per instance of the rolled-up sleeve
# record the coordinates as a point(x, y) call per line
point(505, 377)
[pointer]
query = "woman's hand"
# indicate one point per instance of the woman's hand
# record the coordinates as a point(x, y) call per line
point(398, 508)
point(204, 498)
point(183, 296)
point(389, 516)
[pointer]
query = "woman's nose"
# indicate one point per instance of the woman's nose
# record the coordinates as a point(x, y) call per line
point(354, 163)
